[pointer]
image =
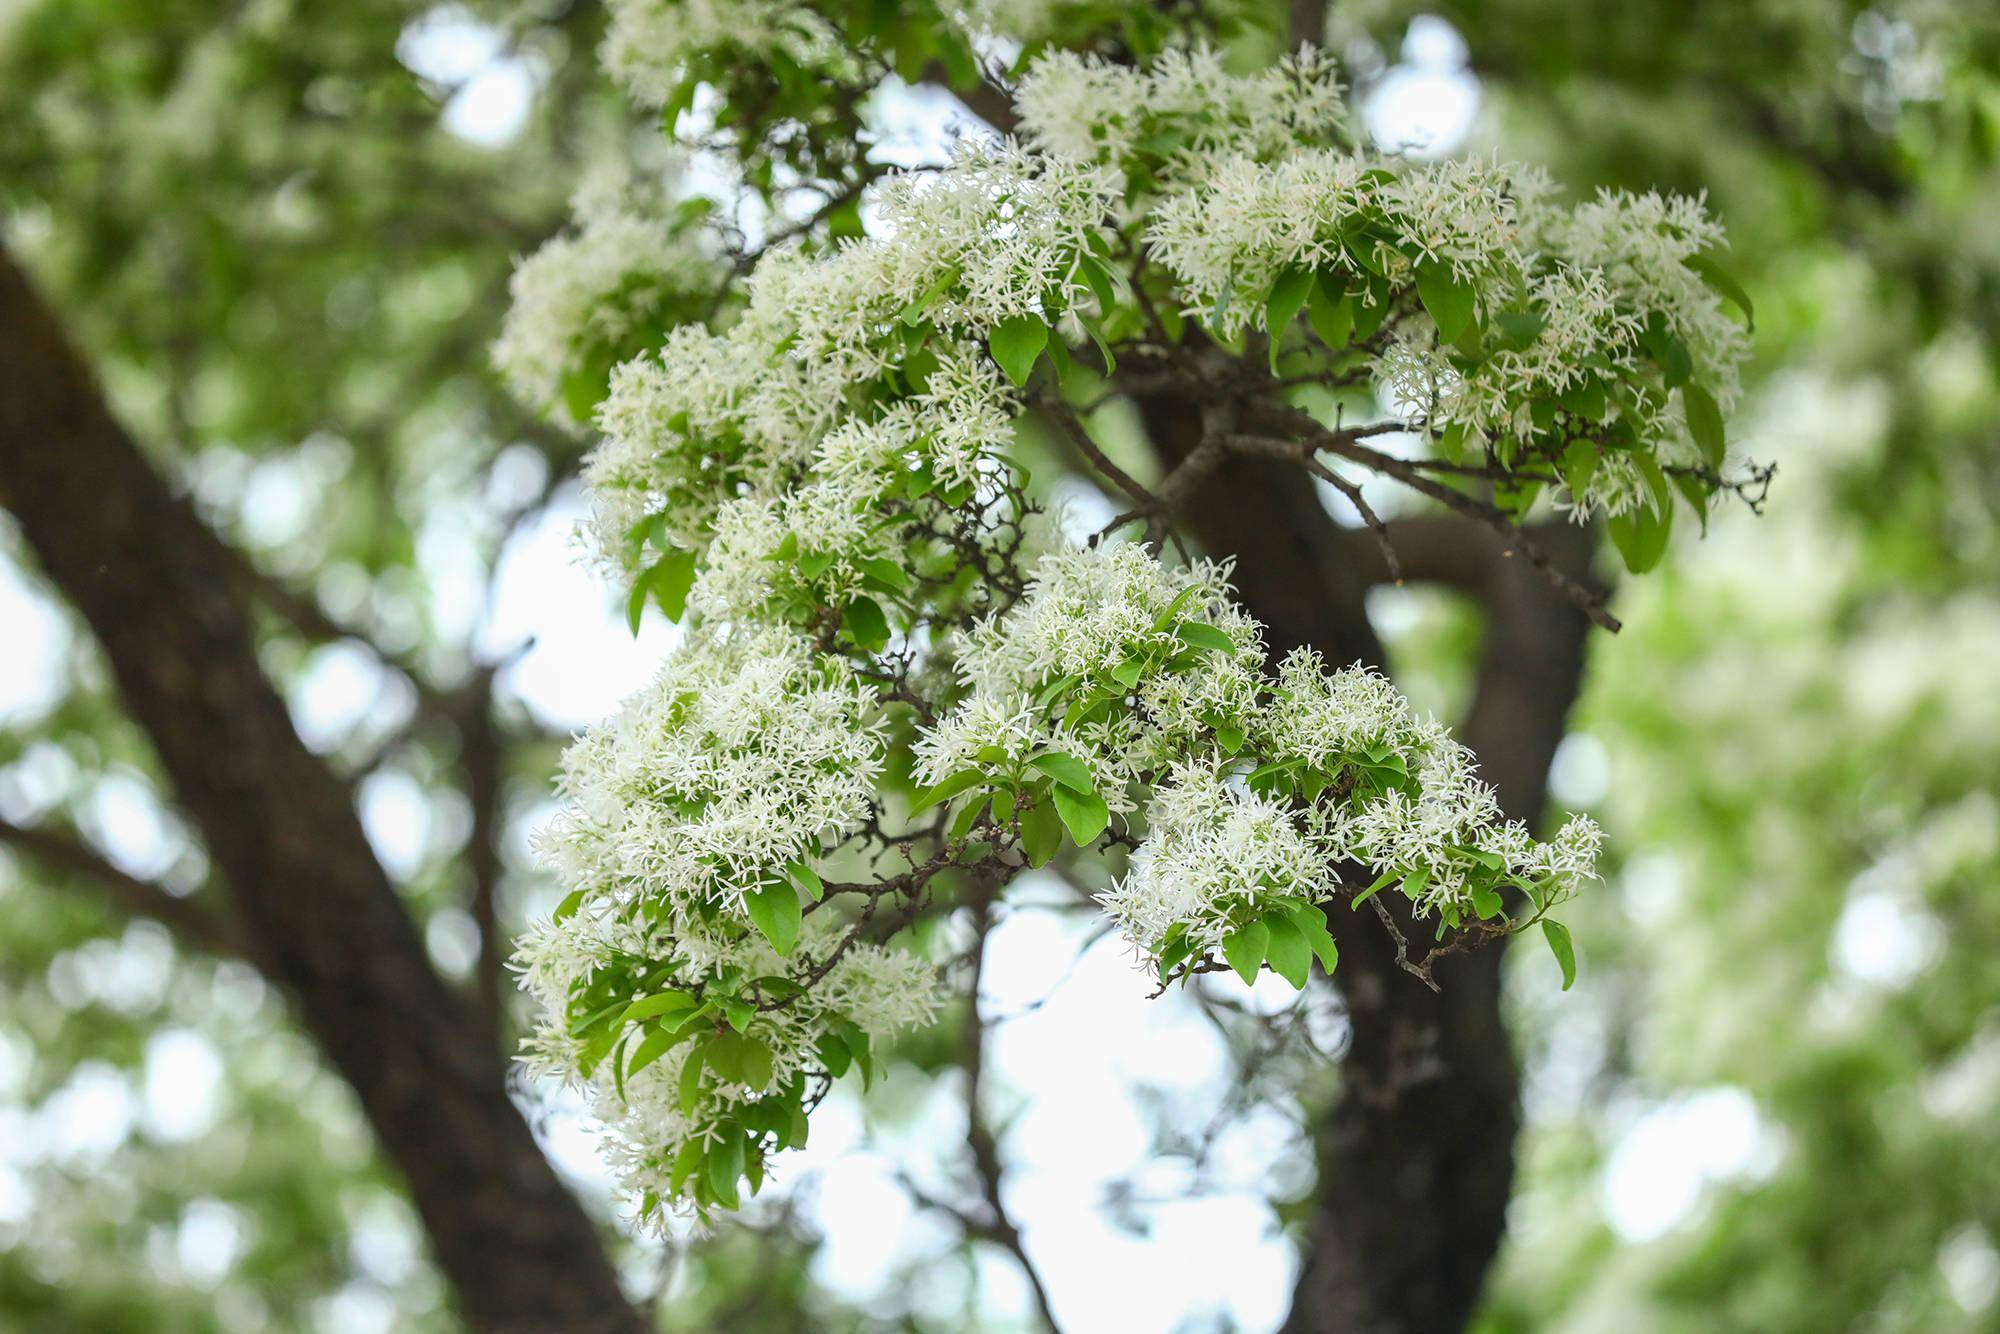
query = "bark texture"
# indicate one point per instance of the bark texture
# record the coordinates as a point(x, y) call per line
point(1416, 1161)
point(156, 588)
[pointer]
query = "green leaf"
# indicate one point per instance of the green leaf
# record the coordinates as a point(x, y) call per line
point(834, 1055)
point(1559, 944)
point(1704, 419)
point(866, 625)
point(1173, 609)
point(1641, 537)
point(1103, 350)
point(657, 1044)
point(1725, 284)
point(1448, 300)
point(725, 1169)
point(635, 601)
point(1375, 888)
point(968, 816)
point(949, 788)
point(651, 1007)
point(1174, 947)
point(1041, 833)
point(1128, 672)
point(671, 580)
point(741, 1060)
point(1486, 901)
point(1099, 278)
point(1675, 363)
point(1289, 954)
point(689, 1092)
point(1015, 343)
point(1245, 950)
point(806, 879)
point(595, 1017)
point(856, 1042)
point(888, 571)
point(1579, 465)
point(1288, 297)
point(1656, 482)
point(567, 908)
point(1696, 495)
point(1068, 770)
point(1518, 328)
point(1059, 358)
point(913, 314)
point(1331, 315)
point(1311, 923)
point(582, 390)
point(1084, 813)
point(815, 563)
point(1195, 634)
point(1230, 739)
point(1047, 694)
point(774, 911)
point(691, 1156)
point(1586, 399)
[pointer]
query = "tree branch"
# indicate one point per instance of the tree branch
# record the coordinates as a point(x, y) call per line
point(194, 924)
point(1305, 437)
point(483, 762)
point(993, 105)
point(1417, 1158)
point(978, 1135)
point(156, 588)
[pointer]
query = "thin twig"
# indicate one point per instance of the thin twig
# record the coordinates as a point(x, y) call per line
point(194, 924)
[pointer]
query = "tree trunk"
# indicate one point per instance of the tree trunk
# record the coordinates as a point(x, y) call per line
point(1416, 1160)
point(154, 585)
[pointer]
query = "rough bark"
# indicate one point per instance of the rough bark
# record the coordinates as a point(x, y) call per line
point(155, 587)
point(1417, 1159)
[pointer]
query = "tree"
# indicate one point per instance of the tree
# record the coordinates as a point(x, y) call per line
point(1297, 572)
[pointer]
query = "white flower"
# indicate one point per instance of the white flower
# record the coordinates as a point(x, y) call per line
point(737, 759)
point(620, 275)
point(1215, 856)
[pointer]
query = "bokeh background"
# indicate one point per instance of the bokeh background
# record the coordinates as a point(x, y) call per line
point(282, 233)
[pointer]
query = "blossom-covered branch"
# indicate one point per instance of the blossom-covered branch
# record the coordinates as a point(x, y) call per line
point(901, 684)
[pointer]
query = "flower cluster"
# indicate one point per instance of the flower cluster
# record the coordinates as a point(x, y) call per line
point(848, 370)
point(698, 1077)
point(668, 981)
point(1593, 340)
point(821, 482)
point(1112, 658)
point(1140, 676)
point(1215, 859)
point(1435, 826)
point(652, 46)
point(736, 760)
point(595, 297)
point(1185, 108)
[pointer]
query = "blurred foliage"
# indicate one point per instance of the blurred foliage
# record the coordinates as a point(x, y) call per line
point(1798, 724)
point(287, 270)
point(257, 221)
